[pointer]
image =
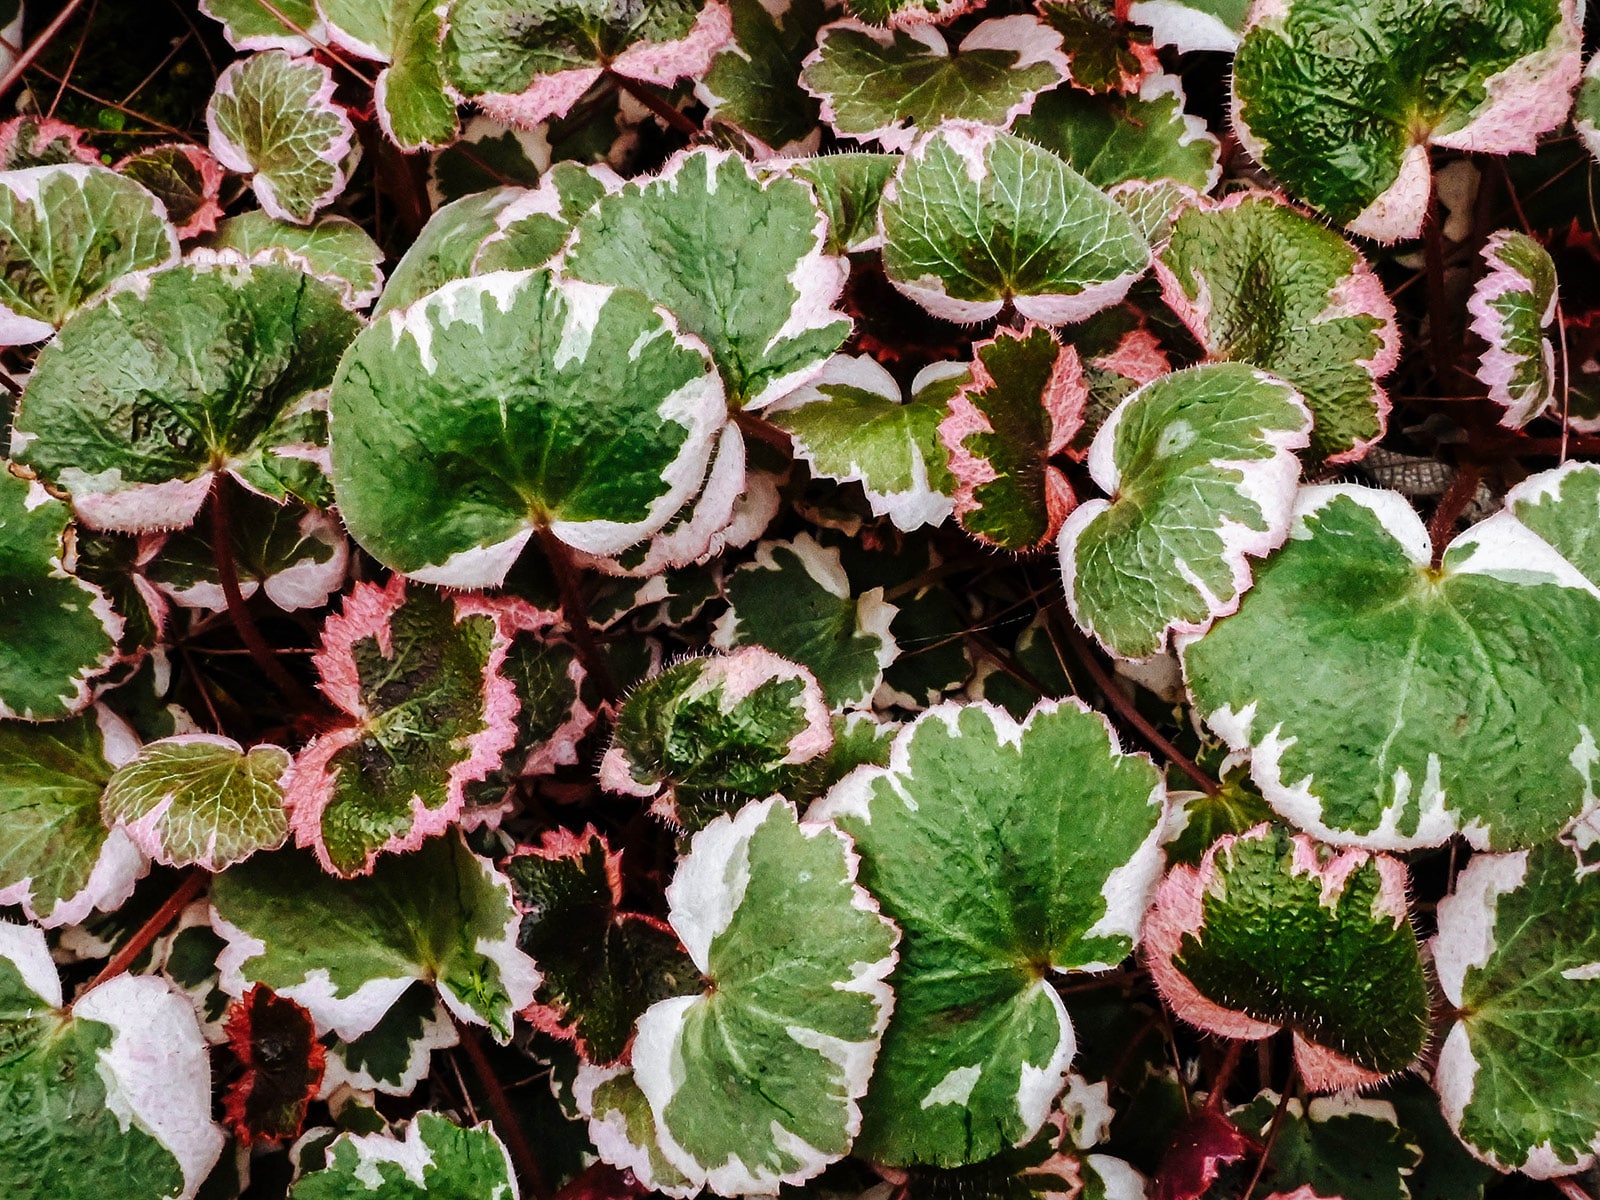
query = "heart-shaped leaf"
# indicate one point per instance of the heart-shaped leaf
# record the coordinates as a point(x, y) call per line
point(57, 631)
point(758, 888)
point(753, 85)
point(975, 218)
point(273, 117)
point(1340, 102)
point(1021, 404)
point(334, 249)
point(143, 397)
point(602, 967)
point(851, 424)
point(707, 734)
point(428, 711)
point(200, 799)
point(796, 600)
point(1518, 958)
point(1272, 931)
point(1460, 699)
point(71, 232)
point(886, 86)
point(187, 180)
point(1005, 853)
point(738, 259)
point(111, 1097)
point(1513, 308)
point(1145, 135)
point(435, 1160)
point(1258, 282)
point(522, 62)
point(1202, 473)
point(348, 949)
point(57, 858)
point(511, 403)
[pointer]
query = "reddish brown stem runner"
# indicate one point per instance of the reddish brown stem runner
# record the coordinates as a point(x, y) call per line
point(124, 958)
point(1451, 505)
point(646, 95)
point(505, 1117)
point(37, 46)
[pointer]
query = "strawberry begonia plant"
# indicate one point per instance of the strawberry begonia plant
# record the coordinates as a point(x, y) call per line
point(853, 599)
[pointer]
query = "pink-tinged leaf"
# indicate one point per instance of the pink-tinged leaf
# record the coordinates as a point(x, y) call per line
point(1021, 406)
point(1340, 967)
point(1513, 309)
point(186, 178)
point(385, 782)
point(281, 1061)
point(1204, 1144)
point(601, 967)
point(30, 141)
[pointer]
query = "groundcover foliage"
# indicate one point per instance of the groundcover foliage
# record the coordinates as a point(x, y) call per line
point(856, 599)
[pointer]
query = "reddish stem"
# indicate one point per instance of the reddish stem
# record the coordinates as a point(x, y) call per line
point(153, 928)
point(646, 95)
point(1272, 1132)
point(1224, 1076)
point(37, 46)
point(228, 574)
point(505, 1118)
point(575, 608)
point(1451, 505)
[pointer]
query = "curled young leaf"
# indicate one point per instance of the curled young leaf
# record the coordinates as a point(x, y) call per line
point(707, 734)
point(111, 1097)
point(757, 888)
point(142, 398)
point(513, 402)
point(1513, 308)
point(1257, 281)
point(1518, 958)
point(1461, 699)
point(709, 230)
point(1272, 931)
point(887, 86)
point(273, 118)
point(975, 218)
point(348, 950)
point(1202, 473)
point(1005, 853)
point(1020, 405)
point(1340, 102)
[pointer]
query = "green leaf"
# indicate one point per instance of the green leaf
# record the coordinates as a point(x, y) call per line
point(602, 967)
point(796, 600)
point(200, 799)
point(1562, 506)
point(71, 231)
point(752, 85)
point(395, 1054)
point(849, 188)
point(142, 398)
point(522, 62)
point(488, 154)
point(975, 218)
point(185, 178)
point(851, 424)
point(1193, 24)
point(1420, 702)
point(887, 86)
point(1513, 308)
point(906, 14)
point(1340, 101)
point(1342, 1145)
point(111, 1097)
point(1273, 931)
point(795, 954)
point(334, 249)
point(435, 1160)
point(1104, 54)
point(446, 248)
point(1021, 404)
point(1145, 135)
point(274, 118)
point(57, 631)
point(414, 107)
point(707, 734)
point(1518, 959)
point(33, 141)
point(57, 858)
point(348, 949)
point(253, 25)
point(1005, 853)
point(297, 556)
point(427, 712)
point(1202, 471)
point(623, 1129)
point(738, 259)
point(1258, 282)
point(1586, 108)
point(531, 230)
point(516, 402)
